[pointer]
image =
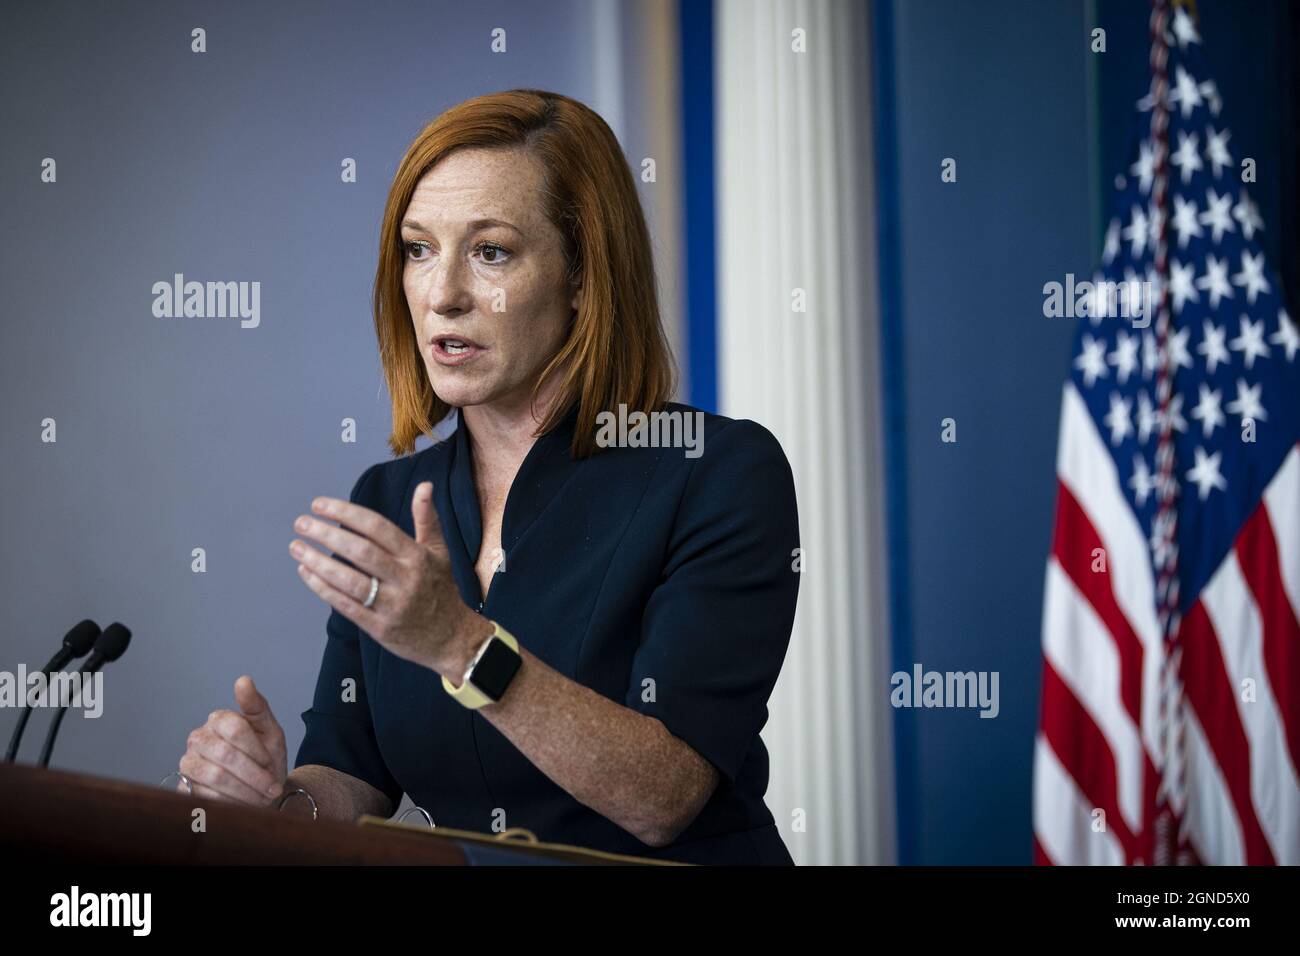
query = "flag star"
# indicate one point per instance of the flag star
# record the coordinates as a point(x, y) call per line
point(1146, 417)
point(1125, 356)
point(1217, 215)
point(1207, 410)
point(1184, 29)
point(1145, 167)
point(1187, 157)
point(1150, 355)
point(1173, 414)
point(1247, 213)
point(1216, 149)
point(1251, 276)
point(1211, 93)
point(1286, 335)
point(1181, 285)
point(1117, 419)
point(1112, 241)
point(1091, 361)
point(1215, 280)
point(1206, 473)
point(1247, 403)
point(1250, 342)
point(1177, 346)
point(1185, 93)
point(1141, 482)
point(1214, 347)
point(1184, 221)
point(1138, 230)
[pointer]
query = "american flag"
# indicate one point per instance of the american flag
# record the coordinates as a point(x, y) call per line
point(1170, 721)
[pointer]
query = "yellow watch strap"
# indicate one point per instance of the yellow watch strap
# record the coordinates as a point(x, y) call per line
point(467, 694)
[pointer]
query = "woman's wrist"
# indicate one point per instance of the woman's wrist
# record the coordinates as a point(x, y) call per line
point(467, 636)
point(338, 796)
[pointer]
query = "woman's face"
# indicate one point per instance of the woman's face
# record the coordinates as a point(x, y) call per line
point(484, 277)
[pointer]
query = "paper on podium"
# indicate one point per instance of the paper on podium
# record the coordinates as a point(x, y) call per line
point(521, 840)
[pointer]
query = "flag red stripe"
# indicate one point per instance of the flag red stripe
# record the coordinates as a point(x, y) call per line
point(1210, 693)
point(1258, 556)
point(1040, 855)
point(1075, 543)
point(1082, 749)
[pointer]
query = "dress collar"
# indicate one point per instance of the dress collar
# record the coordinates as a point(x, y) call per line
point(544, 471)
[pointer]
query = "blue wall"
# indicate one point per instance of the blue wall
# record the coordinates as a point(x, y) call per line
point(1006, 96)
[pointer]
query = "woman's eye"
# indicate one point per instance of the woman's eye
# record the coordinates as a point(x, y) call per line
point(492, 253)
point(499, 253)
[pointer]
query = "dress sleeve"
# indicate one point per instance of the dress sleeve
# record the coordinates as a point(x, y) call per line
point(340, 732)
point(715, 631)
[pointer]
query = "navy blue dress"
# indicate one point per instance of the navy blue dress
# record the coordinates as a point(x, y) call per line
point(664, 582)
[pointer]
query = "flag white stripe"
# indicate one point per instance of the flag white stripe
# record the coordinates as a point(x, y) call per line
point(1085, 466)
point(1082, 652)
point(1282, 499)
point(1274, 788)
point(1209, 816)
point(1063, 816)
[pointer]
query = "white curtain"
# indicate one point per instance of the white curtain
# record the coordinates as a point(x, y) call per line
point(795, 218)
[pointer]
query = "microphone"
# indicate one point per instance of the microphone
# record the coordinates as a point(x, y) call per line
point(110, 645)
point(76, 643)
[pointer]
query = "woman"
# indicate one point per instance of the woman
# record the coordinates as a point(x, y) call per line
point(534, 624)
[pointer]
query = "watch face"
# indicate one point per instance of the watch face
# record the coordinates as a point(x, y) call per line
point(495, 668)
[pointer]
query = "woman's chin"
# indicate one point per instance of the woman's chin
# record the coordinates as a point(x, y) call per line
point(458, 393)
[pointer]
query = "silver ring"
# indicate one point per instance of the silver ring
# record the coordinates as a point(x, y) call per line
point(374, 592)
point(420, 810)
point(294, 793)
point(184, 779)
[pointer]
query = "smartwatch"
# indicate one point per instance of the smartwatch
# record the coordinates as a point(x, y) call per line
point(490, 672)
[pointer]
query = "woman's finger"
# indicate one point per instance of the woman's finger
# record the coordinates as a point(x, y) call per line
point(203, 771)
point(363, 617)
point(369, 524)
point(207, 793)
point(363, 552)
point(339, 576)
point(237, 729)
point(226, 755)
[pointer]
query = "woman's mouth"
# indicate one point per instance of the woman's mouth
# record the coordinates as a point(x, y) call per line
point(449, 350)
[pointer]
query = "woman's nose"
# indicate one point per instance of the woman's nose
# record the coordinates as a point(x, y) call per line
point(448, 291)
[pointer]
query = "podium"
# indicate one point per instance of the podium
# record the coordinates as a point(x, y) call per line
point(53, 815)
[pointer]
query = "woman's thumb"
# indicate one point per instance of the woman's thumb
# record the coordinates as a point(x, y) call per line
point(424, 517)
point(253, 705)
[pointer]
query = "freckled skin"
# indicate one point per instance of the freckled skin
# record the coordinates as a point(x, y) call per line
point(453, 283)
point(457, 278)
